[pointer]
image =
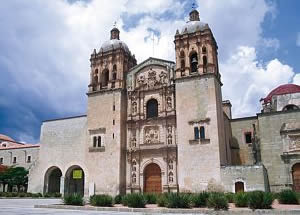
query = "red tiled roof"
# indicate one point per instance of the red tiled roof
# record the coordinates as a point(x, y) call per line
point(281, 90)
point(6, 138)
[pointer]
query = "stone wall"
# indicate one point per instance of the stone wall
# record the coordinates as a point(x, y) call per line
point(62, 146)
point(254, 177)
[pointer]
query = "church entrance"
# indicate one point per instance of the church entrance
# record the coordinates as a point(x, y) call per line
point(296, 177)
point(74, 180)
point(239, 187)
point(152, 179)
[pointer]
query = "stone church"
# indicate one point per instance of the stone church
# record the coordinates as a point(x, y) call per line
point(161, 126)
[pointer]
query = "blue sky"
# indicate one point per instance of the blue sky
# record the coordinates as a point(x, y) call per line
point(45, 48)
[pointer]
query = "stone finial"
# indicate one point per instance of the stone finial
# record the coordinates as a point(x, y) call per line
point(115, 34)
point(194, 15)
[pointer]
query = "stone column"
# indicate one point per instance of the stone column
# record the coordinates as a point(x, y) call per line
point(62, 185)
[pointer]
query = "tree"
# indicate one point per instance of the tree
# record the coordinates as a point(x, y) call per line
point(14, 176)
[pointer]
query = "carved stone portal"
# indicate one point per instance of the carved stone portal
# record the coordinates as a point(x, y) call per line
point(151, 135)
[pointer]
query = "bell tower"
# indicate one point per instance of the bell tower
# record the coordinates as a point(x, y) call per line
point(106, 116)
point(199, 113)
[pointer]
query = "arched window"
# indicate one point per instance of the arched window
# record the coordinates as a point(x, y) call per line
point(105, 78)
point(203, 50)
point(182, 54)
point(152, 108)
point(115, 67)
point(194, 62)
point(96, 77)
point(290, 107)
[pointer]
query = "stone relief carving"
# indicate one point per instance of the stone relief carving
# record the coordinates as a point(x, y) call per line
point(295, 142)
point(151, 135)
point(141, 80)
point(163, 78)
point(152, 81)
point(133, 142)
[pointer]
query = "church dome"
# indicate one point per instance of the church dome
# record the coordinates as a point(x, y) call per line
point(281, 90)
point(193, 26)
point(6, 138)
point(114, 44)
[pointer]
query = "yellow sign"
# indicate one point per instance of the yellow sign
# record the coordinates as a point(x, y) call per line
point(77, 174)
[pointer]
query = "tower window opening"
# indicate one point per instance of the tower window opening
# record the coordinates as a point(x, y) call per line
point(114, 76)
point(105, 79)
point(204, 50)
point(194, 62)
point(182, 64)
point(204, 61)
point(248, 137)
point(99, 141)
point(152, 108)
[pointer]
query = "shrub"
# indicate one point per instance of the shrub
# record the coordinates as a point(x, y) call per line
point(47, 195)
point(118, 199)
point(36, 195)
point(101, 200)
point(178, 200)
point(136, 200)
point(21, 195)
point(162, 200)
point(56, 195)
point(151, 198)
point(230, 197)
point(217, 201)
point(287, 197)
point(124, 200)
point(73, 199)
point(241, 199)
point(199, 199)
point(260, 200)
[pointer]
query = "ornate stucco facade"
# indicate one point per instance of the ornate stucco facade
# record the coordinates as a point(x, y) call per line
point(161, 126)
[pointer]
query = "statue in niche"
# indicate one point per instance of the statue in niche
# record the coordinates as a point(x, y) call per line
point(169, 135)
point(133, 178)
point(134, 108)
point(171, 178)
point(163, 77)
point(152, 79)
point(169, 103)
point(133, 141)
point(170, 164)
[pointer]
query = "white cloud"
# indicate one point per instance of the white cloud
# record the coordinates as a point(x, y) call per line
point(296, 79)
point(48, 44)
point(298, 39)
point(246, 80)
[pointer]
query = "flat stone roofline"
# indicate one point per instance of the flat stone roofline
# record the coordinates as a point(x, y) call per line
point(21, 147)
point(238, 211)
point(241, 166)
point(64, 118)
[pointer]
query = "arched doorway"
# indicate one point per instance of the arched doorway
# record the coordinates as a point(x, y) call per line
point(152, 179)
point(296, 177)
point(239, 187)
point(52, 180)
point(74, 180)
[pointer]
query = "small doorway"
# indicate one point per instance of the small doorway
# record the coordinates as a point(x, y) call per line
point(239, 187)
point(296, 177)
point(152, 176)
point(52, 180)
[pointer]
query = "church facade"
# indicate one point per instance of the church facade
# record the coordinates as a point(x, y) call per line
point(161, 126)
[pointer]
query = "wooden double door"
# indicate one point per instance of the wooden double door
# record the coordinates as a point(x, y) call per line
point(152, 179)
point(296, 177)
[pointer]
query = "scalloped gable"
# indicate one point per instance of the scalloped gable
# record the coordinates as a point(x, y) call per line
point(150, 61)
